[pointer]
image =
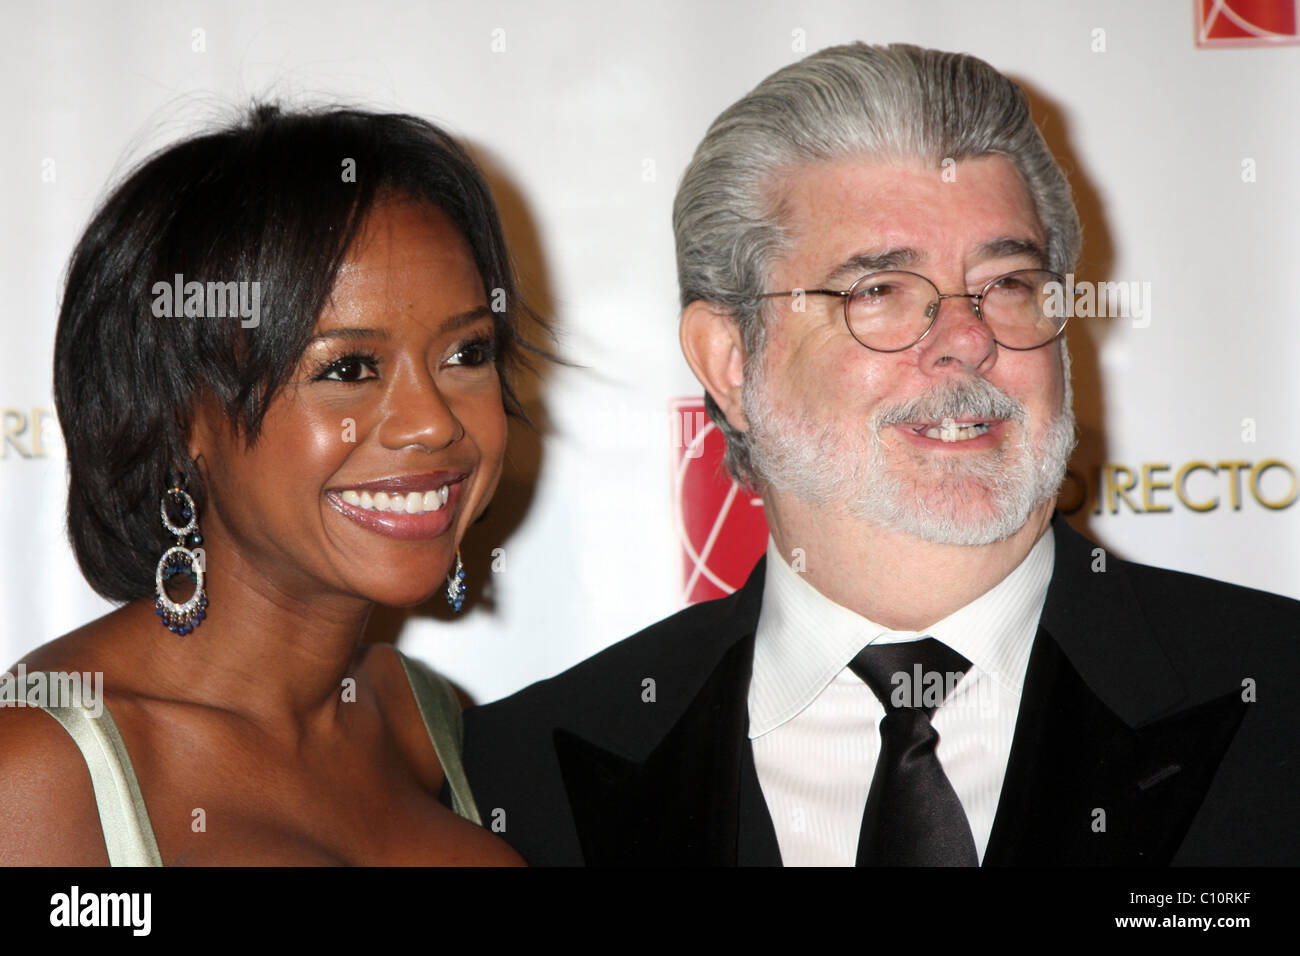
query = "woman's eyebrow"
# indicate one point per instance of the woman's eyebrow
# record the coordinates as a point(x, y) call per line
point(457, 321)
point(469, 317)
point(349, 334)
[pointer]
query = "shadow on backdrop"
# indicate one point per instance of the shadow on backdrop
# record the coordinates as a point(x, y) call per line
point(1084, 335)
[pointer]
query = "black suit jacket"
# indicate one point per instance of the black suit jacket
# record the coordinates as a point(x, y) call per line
point(1137, 742)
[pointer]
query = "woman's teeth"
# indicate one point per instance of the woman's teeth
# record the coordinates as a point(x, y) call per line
point(954, 431)
point(411, 503)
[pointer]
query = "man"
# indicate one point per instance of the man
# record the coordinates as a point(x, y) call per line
point(928, 667)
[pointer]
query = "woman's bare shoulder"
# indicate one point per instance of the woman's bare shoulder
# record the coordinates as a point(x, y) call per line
point(475, 846)
point(95, 646)
point(50, 817)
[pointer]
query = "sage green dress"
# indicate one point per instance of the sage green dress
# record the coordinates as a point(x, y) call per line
point(128, 833)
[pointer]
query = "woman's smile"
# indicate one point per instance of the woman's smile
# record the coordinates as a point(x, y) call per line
point(406, 507)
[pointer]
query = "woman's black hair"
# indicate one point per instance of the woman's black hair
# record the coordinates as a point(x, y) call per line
point(275, 199)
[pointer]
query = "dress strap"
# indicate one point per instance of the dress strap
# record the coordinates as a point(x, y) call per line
point(440, 709)
point(128, 834)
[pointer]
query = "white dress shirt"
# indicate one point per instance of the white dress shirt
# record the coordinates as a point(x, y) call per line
point(815, 725)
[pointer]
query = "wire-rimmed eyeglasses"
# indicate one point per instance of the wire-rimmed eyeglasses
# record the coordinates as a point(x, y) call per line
point(892, 311)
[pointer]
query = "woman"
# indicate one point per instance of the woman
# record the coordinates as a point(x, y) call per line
point(282, 373)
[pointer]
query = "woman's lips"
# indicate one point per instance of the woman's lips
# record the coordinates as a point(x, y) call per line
point(403, 527)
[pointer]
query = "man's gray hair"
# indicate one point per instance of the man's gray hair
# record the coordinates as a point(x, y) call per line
point(891, 103)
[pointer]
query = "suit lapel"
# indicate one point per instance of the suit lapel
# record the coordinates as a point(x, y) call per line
point(694, 800)
point(681, 806)
point(757, 843)
point(1109, 763)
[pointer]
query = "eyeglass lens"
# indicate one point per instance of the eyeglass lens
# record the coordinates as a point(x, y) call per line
point(891, 311)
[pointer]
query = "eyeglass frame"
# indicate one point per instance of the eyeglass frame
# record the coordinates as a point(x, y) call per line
point(933, 308)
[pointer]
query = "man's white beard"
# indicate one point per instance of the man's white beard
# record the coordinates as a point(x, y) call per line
point(948, 498)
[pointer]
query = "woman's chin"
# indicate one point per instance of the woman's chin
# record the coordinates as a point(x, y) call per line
point(415, 594)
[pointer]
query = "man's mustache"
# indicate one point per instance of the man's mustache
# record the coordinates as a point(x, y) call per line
point(965, 398)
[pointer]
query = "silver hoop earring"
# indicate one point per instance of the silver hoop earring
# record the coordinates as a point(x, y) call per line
point(456, 585)
point(179, 559)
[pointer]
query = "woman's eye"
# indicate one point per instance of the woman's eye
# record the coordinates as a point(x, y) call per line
point(475, 352)
point(351, 368)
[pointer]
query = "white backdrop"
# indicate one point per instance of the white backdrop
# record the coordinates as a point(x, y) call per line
point(586, 113)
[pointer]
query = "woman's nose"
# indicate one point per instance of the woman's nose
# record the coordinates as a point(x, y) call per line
point(418, 414)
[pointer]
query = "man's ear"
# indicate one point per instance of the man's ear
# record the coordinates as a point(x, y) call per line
point(715, 351)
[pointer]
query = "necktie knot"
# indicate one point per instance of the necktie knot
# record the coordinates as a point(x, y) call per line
point(912, 674)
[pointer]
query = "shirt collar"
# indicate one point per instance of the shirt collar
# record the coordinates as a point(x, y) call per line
point(804, 639)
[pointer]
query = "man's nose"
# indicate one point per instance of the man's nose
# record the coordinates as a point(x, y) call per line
point(959, 337)
point(417, 413)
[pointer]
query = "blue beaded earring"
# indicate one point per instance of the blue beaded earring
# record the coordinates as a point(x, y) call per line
point(179, 559)
point(456, 585)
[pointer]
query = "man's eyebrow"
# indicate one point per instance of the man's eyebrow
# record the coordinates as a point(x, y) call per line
point(449, 324)
point(1008, 247)
point(856, 267)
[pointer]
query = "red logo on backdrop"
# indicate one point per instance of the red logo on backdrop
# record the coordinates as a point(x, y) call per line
point(721, 526)
point(1245, 22)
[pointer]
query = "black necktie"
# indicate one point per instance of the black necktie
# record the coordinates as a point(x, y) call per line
point(913, 816)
